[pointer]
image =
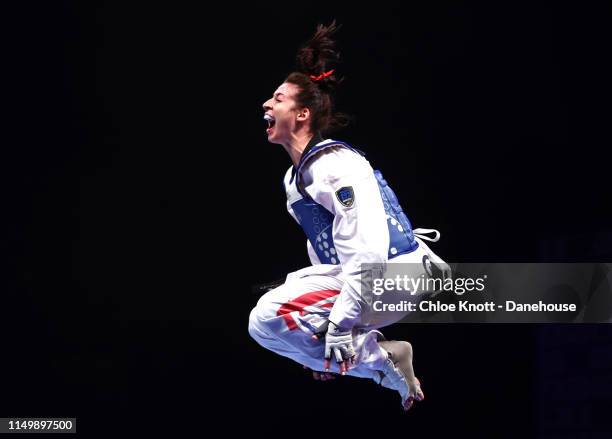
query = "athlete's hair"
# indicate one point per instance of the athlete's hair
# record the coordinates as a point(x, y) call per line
point(317, 56)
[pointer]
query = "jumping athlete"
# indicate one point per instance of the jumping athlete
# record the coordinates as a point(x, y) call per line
point(351, 217)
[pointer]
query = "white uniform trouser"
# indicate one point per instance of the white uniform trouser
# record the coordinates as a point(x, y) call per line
point(286, 317)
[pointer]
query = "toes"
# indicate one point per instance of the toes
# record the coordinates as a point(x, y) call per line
point(420, 396)
point(408, 403)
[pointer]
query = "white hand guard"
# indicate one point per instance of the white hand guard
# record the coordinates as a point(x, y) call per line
point(340, 342)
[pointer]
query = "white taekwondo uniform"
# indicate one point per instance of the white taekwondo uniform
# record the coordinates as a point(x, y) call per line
point(336, 196)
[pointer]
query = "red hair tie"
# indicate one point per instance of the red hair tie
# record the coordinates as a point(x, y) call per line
point(321, 76)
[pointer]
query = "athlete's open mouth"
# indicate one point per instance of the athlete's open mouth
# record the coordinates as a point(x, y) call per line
point(270, 120)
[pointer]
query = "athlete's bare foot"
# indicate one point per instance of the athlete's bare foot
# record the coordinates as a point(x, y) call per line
point(401, 377)
point(322, 376)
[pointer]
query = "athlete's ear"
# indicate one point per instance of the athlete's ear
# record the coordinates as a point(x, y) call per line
point(303, 114)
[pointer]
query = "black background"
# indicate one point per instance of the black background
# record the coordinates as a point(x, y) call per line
point(141, 201)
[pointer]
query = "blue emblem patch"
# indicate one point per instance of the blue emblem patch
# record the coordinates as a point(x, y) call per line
point(346, 196)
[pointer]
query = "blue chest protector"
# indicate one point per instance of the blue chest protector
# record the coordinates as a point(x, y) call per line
point(317, 221)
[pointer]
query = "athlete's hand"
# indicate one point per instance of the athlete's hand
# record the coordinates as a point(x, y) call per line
point(339, 342)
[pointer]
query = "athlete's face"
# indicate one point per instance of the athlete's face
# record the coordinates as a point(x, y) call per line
point(282, 113)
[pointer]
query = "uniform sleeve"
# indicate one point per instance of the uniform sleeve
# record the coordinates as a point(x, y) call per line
point(344, 183)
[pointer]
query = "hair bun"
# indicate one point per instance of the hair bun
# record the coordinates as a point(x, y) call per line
point(316, 57)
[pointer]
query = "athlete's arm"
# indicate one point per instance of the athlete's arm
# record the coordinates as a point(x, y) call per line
point(344, 183)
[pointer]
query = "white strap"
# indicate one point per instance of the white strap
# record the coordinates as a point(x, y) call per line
point(421, 233)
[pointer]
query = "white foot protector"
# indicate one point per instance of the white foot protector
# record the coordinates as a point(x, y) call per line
point(392, 377)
